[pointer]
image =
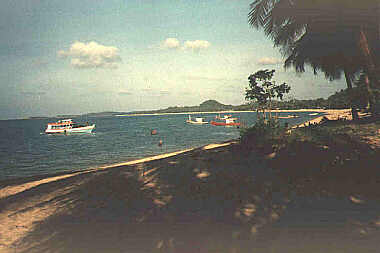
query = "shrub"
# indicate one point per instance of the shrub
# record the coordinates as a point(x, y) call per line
point(263, 135)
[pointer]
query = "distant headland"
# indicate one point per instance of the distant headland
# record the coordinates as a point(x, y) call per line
point(336, 101)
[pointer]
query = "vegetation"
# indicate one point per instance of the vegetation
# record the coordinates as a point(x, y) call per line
point(330, 36)
point(325, 158)
point(335, 101)
point(314, 158)
point(334, 37)
point(262, 135)
point(265, 91)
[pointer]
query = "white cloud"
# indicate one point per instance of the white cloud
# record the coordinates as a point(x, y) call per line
point(171, 43)
point(269, 61)
point(196, 44)
point(92, 55)
point(174, 43)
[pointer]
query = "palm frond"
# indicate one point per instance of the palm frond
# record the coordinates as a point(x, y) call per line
point(259, 11)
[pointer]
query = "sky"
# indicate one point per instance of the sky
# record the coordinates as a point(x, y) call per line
point(75, 57)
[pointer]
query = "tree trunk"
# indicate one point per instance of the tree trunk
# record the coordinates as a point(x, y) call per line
point(354, 112)
point(370, 94)
point(270, 109)
point(370, 66)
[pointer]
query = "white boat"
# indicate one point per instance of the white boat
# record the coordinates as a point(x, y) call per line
point(68, 126)
point(197, 121)
point(313, 114)
point(224, 117)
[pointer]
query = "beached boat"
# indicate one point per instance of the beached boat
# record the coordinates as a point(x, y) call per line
point(68, 126)
point(197, 121)
point(226, 122)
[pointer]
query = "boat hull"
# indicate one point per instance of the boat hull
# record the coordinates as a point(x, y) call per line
point(224, 124)
point(85, 129)
point(196, 122)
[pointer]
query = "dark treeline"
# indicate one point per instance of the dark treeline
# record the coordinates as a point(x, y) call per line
point(339, 100)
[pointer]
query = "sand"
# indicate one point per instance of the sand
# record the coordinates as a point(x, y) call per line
point(329, 114)
point(15, 189)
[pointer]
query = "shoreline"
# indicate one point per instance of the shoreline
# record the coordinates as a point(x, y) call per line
point(216, 112)
point(330, 115)
point(18, 185)
point(55, 176)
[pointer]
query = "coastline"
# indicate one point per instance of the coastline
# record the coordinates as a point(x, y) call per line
point(29, 182)
point(25, 184)
point(216, 112)
point(15, 188)
point(330, 115)
point(37, 209)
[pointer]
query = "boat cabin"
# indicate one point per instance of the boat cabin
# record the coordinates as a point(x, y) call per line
point(230, 120)
point(199, 120)
point(61, 124)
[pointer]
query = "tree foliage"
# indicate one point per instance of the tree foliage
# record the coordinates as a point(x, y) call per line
point(263, 90)
point(328, 35)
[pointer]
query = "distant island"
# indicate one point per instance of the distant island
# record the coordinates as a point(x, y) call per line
point(339, 100)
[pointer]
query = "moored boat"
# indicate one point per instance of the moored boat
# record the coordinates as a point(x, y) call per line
point(226, 122)
point(224, 117)
point(68, 126)
point(197, 121)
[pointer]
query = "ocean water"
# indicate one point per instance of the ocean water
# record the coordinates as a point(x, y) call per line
point(26, 151)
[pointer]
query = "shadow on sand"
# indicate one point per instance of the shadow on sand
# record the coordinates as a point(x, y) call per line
point(220, 200)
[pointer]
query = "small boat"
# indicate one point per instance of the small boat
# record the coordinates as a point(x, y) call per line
point(226, 122)
point(313, 114)
point(197, 121)
point(68, 126)
point(224, 117)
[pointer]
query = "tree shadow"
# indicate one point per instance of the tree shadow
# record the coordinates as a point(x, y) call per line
point(225, 199)
point(200, 201)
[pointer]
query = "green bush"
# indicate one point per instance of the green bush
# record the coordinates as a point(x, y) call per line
point(263, 135)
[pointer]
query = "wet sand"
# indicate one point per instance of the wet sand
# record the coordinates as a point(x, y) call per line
point(217, 198)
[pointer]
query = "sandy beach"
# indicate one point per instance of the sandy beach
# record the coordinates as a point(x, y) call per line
point(221, 112)
point(329, 114)
point(215, 198)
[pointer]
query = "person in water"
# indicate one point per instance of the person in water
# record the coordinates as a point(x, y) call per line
point(160, 143)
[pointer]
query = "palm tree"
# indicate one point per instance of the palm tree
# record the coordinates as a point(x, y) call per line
point(371, 95)
point(329, 35)
point(322, 54)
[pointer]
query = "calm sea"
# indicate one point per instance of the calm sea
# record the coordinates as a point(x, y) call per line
point(26, 151)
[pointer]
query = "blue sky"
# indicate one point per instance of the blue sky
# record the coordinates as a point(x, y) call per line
point(62, 57)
